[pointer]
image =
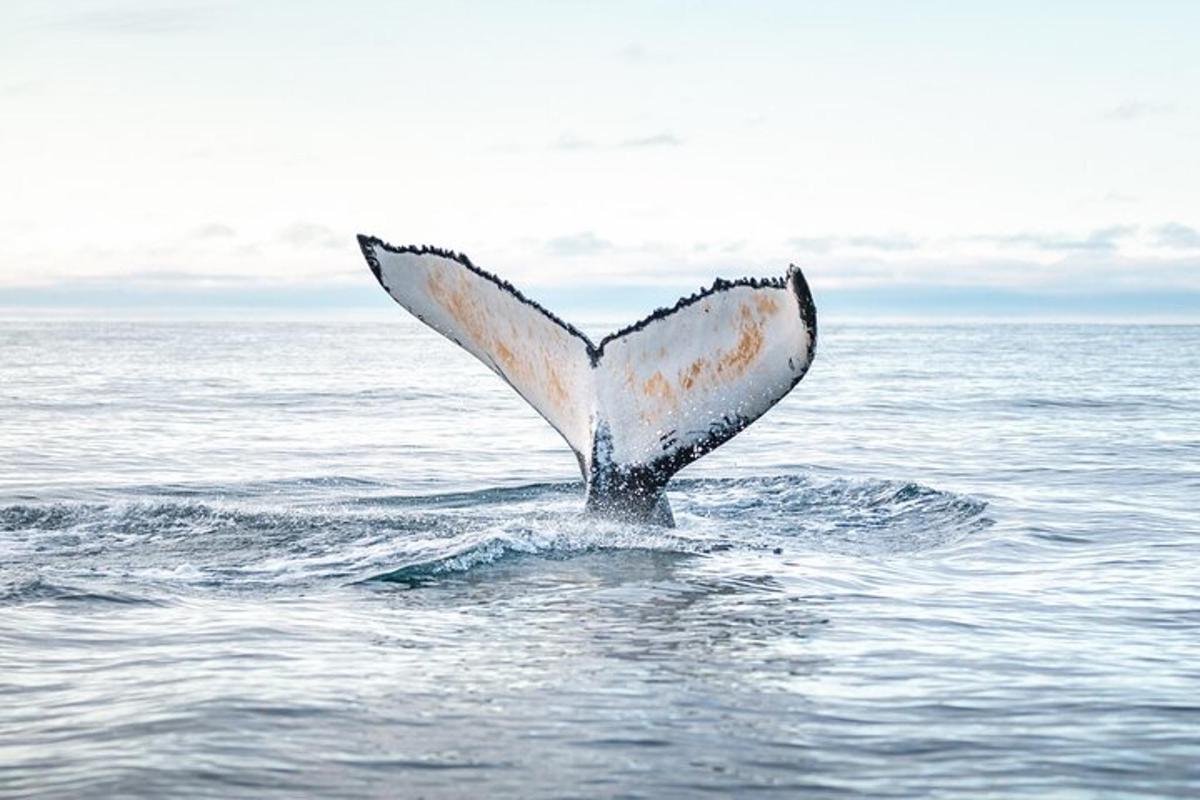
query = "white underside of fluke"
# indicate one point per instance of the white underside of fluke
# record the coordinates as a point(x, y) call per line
point(683, 378)
point(661, 392)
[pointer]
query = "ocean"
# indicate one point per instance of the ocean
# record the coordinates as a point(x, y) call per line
point(342, 559)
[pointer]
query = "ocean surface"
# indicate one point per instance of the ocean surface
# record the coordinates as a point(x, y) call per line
point(342, 559)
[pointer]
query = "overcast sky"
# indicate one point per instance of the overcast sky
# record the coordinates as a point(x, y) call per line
point(933, 147)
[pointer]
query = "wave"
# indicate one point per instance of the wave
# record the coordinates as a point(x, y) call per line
point(242, 536)
point(38, 589)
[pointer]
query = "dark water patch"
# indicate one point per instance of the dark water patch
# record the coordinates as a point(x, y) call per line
point(436, 761)
point(481, 499)
point(35, 517)
point(1120, 403)
point(40, 590)
point(481, 556)
point(316, 401)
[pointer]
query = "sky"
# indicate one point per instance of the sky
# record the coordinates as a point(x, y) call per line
point(922, 158)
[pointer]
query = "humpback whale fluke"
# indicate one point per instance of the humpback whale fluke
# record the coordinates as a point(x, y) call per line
point(647, 400)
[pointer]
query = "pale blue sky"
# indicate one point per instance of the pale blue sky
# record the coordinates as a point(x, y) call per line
point(895, 150)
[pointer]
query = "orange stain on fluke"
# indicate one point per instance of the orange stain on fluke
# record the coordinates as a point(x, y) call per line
point(690, 375)
point(474, 318)
point(506, 356)
point(750, 344)
point(459, 306)
point(731, 364)
point(558, 392)
point(766, 305)
point(658, 386)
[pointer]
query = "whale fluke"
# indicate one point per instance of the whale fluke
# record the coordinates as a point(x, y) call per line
point(645, 401)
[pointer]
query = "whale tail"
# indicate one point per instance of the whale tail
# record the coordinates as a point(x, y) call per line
point(645, 401)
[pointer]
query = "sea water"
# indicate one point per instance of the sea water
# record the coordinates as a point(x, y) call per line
point(278, 559)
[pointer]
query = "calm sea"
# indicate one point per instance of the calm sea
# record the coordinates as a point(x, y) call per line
point(267, 559)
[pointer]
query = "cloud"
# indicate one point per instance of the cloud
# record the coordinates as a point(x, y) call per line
point(657, 140)
point(1099, 240)
point(1128, 256)
point(812, 244)
point(168, 276)
point(571, 142)
point(1177, 236)
point(892, 243)
point(19, 88)
point(135, 21)
point(889, 243)
point(579, 244)
point(310, 234)
point(1135, 109)
point(1003, 259)
point(728, 247)
point(1117, 198)
point(214, 230)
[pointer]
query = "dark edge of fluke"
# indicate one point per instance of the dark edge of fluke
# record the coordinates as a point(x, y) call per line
point(719, 285)
point(368, 244)
point(808, 311)
point(803, 294)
